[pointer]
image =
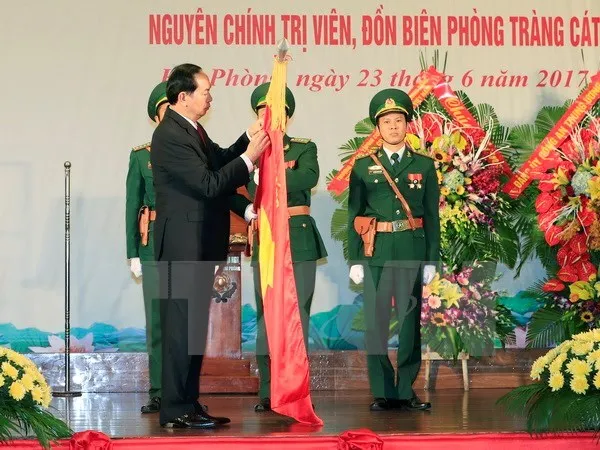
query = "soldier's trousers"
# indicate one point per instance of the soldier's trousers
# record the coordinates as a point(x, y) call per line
point(150, 288)
point(403, 285)
point(304, 275)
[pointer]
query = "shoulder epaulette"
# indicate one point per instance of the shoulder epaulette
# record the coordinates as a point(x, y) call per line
point(141, 147)
point(300, 140)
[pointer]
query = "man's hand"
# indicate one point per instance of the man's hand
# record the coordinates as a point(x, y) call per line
point(250, 214)
point(255, 127)
point(258, 144)
point(357, 273)
point(428, 274)
point(135, 265)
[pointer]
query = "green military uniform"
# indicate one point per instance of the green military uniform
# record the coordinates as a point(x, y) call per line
point(302, 174)
point(394, 269)
point(140, 192)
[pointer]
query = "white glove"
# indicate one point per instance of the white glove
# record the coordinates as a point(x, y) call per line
point(249, 213)
point(256, 176)
point(357, 273)
point(428, 274)
point(216, 268)
point(135, 265)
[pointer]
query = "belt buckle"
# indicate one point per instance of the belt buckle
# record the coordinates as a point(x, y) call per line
point(398, 225)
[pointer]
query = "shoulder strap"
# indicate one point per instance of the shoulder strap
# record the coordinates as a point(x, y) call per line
point(399, 196)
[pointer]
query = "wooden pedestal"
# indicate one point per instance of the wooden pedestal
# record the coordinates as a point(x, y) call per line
point(224, 370)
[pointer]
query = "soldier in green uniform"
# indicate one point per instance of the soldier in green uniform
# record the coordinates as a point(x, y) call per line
point(139, 212)
point(302, 174)
point(393, 233)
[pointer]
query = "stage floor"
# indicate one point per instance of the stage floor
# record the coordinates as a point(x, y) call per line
point(453, 411)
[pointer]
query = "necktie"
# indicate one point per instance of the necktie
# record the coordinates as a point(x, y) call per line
point(202, 135)
point(395, 158)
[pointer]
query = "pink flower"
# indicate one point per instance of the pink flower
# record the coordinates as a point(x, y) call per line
point(434, 302)
point(462, 279)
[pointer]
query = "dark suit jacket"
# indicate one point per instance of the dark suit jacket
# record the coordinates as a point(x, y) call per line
point(195, 184)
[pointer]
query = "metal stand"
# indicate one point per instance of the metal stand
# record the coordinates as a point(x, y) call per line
point(67, 392)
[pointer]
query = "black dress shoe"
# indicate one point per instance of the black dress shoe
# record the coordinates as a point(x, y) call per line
point(153, 406)
point(415, 404)
point(263, 405)
point(217, 420)
point(190, 421)
point(199, 407)
point(381, 404)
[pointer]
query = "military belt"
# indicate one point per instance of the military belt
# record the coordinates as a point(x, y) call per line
point(398, 225)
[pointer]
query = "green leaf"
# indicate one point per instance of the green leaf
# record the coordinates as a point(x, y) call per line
point(546, 328)
point(365, 126)
point(547, 118)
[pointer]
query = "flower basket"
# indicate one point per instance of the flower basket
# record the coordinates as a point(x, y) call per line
point(24, 399)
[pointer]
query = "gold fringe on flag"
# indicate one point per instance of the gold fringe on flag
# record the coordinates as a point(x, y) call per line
point(276, 95)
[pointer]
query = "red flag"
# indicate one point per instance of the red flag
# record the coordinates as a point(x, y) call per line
point(290, 380)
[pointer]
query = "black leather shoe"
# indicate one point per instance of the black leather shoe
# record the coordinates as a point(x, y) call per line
point(263, 405)
point(153, 406)
point(415, 404)
point(381, 404)
point(217, 420)
point(199, 407)
point(190, 421)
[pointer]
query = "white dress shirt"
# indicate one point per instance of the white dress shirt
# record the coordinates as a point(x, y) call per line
point(389, 154)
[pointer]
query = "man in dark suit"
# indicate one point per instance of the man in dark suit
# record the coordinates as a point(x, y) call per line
point(195, 182)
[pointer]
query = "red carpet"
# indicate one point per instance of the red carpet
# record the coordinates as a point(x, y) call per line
point(353, 440)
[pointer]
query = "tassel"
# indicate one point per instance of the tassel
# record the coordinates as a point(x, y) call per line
point(276, 95)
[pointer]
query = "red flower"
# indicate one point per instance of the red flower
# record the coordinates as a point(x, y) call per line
point(552, 235)
point(553, 285)
point(585, 269)
point(487, 180)
point(432, 127)
point(568, 274)
point(578, 244)
point(546, 220)
point(586, 215)
point(546, 201)
point(546, 184)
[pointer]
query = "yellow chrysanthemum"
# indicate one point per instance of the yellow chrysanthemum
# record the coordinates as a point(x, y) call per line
point(593, 357)
point(556, 381)
point(47, 396)
point(17, 390)
point(2, 381)
point(578, 368)
point(9, 370)
point(556, 365)
point(27, 381)
point(537, 368)
point(579, 385)
point(582, 348)
point(597, 381)
point(38, 395)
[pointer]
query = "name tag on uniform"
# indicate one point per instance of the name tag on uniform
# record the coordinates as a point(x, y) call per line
point(375, 170)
